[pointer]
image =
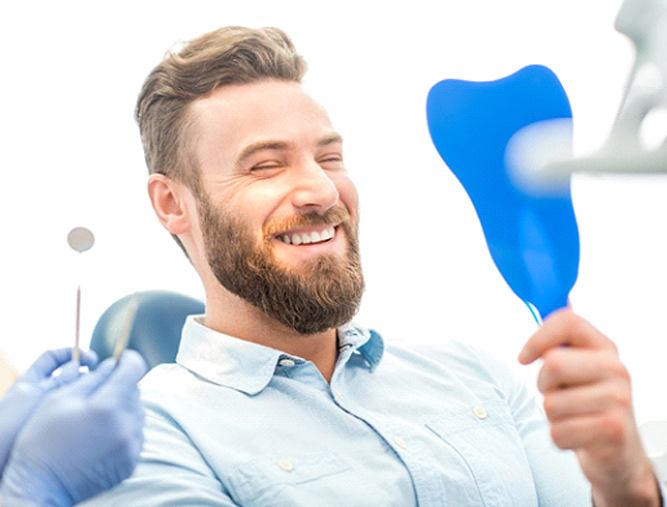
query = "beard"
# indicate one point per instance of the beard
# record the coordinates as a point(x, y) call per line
point(321, 294)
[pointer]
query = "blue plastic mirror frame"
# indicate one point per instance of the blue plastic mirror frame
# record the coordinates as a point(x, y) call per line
point(533, 239)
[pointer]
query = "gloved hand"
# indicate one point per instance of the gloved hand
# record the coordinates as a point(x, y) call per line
point(31, 388)
point(83, 438)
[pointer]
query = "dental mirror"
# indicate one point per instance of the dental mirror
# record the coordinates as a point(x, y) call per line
point(79, 239)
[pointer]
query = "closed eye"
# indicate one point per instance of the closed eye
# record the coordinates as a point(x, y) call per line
point(266, 166)
point(332, 160)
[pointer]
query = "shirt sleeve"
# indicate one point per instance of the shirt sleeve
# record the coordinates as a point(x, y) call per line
point(171, 472)
point(559, 481)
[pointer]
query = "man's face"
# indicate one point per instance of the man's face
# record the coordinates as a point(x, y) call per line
point(278, 213)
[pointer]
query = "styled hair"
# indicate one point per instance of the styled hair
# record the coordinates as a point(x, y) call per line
point(229, 55)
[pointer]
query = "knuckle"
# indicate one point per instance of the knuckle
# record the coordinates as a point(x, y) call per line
point(550, 407)
point(558, 436)
point(553, 363)
point(566, 317)
point(542, 381)
point(619, 370)
point(578, 326)
point(622, 398)
point(613, 428)
point(612, 347)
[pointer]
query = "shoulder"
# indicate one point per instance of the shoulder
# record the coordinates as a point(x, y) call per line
point(454, 355)
point(170, 374)
point(171, 380)
point(474, 367)
point(173, 391)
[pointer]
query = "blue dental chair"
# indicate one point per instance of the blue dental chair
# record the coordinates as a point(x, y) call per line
point(156, 329)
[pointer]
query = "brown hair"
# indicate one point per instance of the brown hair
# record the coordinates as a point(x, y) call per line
point(229, 55)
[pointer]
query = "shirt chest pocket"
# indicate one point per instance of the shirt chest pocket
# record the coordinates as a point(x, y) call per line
point(487, 443)
point(289, 480)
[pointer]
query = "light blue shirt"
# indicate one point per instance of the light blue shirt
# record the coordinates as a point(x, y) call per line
point(236, 423)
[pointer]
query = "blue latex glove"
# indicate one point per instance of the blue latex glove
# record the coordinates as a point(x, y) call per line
point(31, 388)
point(83, 438)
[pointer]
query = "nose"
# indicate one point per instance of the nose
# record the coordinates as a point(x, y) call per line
point(313, 189)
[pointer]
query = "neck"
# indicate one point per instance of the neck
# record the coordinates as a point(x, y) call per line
point(231, 315)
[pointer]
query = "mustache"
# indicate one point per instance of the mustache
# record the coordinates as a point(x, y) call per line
point(332, 216)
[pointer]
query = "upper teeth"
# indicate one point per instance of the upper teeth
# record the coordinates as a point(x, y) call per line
point(305, 238)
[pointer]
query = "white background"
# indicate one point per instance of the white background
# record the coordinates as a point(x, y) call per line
point(71, 155)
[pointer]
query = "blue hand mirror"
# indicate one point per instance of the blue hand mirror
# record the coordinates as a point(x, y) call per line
point(532, 237)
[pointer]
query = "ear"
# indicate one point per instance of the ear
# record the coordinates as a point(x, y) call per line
point(169, 199)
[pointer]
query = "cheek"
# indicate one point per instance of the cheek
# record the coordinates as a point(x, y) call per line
point(348, 194)
point(255, 207)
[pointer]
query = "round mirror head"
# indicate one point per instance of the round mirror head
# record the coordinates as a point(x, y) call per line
point(80, 239)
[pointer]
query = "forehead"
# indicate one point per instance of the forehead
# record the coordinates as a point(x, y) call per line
point(235, 116)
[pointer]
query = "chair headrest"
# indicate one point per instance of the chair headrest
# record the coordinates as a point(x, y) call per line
point(156, 330)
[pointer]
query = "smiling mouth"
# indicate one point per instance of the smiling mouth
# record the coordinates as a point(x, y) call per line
point(308, 237)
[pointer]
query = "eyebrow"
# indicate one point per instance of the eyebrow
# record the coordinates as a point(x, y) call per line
point(253, 148)
point(330, 139)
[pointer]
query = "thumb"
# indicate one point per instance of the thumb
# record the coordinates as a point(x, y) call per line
point(68, 374)
point(51, 360)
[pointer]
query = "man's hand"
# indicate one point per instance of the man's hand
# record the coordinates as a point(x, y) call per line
point(588, 401)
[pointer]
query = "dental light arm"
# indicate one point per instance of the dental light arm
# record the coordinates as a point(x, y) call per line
point(645, 23)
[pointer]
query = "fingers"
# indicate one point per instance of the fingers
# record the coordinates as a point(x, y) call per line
point(563, 327)
point(88, 358)
point(589, 430)
point(111, 377)
point(587, 400)
point(68, 373)
point(89, 383)
point(51, 360)
point(130, 369)
point(47, 363)
point(565, 366)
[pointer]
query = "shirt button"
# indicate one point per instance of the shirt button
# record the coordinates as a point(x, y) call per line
point(287, 363)
point(480, 412)
point(286, 465)
point(400, 443)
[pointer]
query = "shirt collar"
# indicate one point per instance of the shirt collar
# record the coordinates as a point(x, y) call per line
point(248, 366)
point(367, 342)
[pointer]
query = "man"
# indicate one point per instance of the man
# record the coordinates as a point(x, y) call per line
point(276, 398)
